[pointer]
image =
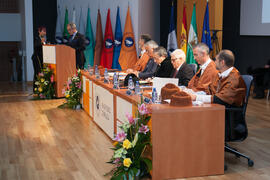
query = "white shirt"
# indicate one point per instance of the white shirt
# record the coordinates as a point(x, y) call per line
point(73, 35)
point(207, 98)
point(142, 52)
point(204, 66)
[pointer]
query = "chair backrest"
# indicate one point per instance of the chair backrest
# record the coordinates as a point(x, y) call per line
point(248, 81)
point(236, 127)
point(193, 67)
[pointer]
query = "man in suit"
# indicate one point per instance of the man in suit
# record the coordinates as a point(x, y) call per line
point(181, 70)
point(77, 41)
point(207, 71)
point(151, 66)
point(228, 88)
point(37, 56)
point(165, 67)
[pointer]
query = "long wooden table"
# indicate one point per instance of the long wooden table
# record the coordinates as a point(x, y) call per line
point(187, 141)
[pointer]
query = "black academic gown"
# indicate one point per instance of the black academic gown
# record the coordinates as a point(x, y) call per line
point(78, 43)
point(184, 74)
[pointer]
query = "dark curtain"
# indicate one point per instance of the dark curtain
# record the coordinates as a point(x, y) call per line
point(44, 14)
point(165, 14)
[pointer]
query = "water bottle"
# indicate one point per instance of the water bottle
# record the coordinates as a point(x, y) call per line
point(115, 81)
point(137, 88)
point(97, 72)
point(130, 84)
point(154, 95)
point(106, 76)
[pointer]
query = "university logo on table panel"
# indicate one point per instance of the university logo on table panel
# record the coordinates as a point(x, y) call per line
point(129, 44)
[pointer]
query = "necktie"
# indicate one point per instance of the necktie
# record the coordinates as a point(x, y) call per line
point(199, 73)
point(175, 73)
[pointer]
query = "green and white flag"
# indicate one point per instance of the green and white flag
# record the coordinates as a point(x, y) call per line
point(65, 31)
point(192, 37)
point(90, 43)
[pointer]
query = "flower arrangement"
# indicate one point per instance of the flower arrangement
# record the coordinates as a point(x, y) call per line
point(45, 84)
point(73, 90)
point(129, 155)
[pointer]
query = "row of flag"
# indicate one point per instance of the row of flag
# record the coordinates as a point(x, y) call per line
point(116, 51)
point(185, 45)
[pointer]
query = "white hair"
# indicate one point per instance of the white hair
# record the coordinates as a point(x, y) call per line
point(179, 53)
point(152, 44)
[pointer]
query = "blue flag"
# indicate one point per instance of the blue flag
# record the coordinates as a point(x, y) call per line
point(206, 36)
point(117, 42)
point(172, 40)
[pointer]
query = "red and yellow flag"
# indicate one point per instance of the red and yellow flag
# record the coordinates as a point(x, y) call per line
point(128, 54)
point(183, 37)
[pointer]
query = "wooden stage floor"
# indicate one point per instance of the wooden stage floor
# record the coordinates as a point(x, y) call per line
point(40, 141)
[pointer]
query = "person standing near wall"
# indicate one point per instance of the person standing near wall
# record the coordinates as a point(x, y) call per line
point(37, 56)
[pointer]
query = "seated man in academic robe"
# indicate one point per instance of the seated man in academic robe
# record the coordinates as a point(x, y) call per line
point(181, 70)
point(151, 66)
point(207, 71)
point(228, 87)
point(144, 58)
point(165, 67)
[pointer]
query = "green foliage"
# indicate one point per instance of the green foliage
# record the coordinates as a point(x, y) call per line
point(45, 84)
point(129, 149)
point(73, 90)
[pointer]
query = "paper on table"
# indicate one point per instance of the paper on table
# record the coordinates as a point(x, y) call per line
point(158, 83)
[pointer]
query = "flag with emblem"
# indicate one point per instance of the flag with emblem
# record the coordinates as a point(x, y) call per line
point(99, 40)
point(183, 37)
point(118, 36)
point(192, 37)
point(206, 36)
point(58, 31)
point(172, 40)
point(90, 42)
point(108, 44)
point(128, 54)
point(65, 32)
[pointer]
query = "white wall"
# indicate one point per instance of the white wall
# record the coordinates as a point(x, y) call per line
point(144, 14)
point(27, 37)
point(10, 27)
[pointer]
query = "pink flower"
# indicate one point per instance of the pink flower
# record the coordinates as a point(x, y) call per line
point(142, 109)
point(51, 78)
point(143, 129)
point(131, 120)
point(120, 137)
point(40, 74)
point(116, 161)
point(41, 96)
point(63, 91)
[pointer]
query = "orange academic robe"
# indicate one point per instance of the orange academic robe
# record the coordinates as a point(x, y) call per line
point(231, 89)
point(201, 83)
point(141, 63)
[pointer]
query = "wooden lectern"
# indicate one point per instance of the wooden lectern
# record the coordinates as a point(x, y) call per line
point(62, 60)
